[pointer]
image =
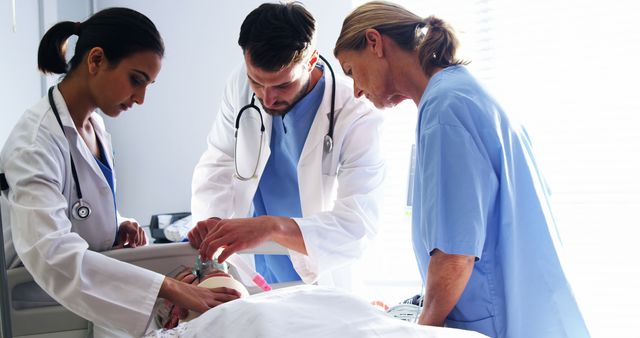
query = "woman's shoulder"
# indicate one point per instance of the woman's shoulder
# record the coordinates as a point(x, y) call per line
point(457, 99)
point(453, 86)
point(32, 132)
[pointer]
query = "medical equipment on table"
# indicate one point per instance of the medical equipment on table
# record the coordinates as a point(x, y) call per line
point(157, 226)
point(328, 138)
point(81, 209)
point(178, 230)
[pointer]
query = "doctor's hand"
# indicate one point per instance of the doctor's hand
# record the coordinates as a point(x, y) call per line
point(245, 233)
point(178, 312)
point(130, 235)
point(186, 296)
point(200, 231)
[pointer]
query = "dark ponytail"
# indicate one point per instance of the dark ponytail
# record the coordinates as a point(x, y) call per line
point(53, 47)
point(120, 32)
point(438, 48)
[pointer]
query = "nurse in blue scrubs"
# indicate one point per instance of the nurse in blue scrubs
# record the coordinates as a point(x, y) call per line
point(483, 232)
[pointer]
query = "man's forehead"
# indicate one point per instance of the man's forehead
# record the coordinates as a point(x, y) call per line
point(273, 78)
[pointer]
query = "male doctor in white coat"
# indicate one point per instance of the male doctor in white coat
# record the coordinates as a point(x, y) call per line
point(296, 175)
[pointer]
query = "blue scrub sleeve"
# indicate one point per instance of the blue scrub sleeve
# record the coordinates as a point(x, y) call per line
point(459, 191)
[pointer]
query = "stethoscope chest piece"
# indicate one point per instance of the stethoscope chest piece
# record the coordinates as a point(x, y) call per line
point(80, 210)
point(328, 144)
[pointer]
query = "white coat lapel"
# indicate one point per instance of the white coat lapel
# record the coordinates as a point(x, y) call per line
point(75, 141)
point(312, 192)
point(320, 126)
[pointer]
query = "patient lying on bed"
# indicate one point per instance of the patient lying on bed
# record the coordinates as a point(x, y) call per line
point(303, 311)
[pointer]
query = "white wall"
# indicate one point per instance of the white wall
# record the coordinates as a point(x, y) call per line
point(20, 82)
point(158, 144)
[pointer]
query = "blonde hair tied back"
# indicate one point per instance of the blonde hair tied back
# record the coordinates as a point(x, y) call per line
point(433, 38)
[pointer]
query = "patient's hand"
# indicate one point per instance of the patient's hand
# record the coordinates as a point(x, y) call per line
point(130, 235)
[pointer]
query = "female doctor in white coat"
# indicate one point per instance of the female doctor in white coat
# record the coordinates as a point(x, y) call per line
point(338, 181)
point(58, 166)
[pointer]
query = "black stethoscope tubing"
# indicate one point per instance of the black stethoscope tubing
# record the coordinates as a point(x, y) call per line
point(328, 137)
point(80, 209)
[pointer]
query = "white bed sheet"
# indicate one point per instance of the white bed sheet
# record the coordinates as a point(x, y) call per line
point(304, 311)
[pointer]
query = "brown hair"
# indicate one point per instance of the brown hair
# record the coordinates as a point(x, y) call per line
point(277, 35)
point(433, 38)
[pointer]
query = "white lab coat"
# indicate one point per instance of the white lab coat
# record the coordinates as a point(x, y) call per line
point(340, 209)
point(60, 252)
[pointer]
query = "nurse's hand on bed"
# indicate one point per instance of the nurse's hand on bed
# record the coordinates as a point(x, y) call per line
point(245, 233)
point(130, 235)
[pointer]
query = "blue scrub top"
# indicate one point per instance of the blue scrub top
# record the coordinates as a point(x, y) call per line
point(278, 193)
point(478, 192)
point(108, 175)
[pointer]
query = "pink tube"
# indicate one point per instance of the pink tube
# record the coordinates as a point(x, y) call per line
point(261, 283)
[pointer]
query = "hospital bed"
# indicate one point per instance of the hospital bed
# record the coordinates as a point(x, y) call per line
point(40, 317)
point(309, 311)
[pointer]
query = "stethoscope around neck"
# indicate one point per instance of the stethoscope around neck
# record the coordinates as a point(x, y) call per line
point(80, 210)
point(328, 138)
